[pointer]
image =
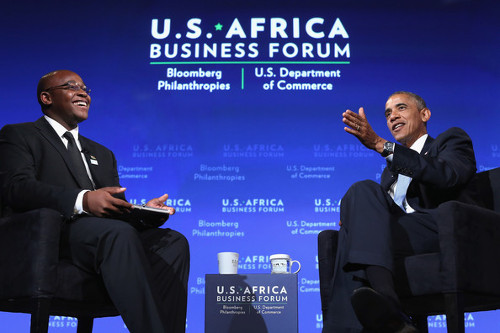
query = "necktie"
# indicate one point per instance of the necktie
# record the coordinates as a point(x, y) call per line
point(401, 188)
point(77, 162)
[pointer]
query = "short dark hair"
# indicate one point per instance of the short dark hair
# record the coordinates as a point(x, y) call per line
point(41, 87)
point(419, 100)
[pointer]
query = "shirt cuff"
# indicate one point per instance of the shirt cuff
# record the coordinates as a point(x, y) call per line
point(78, 209)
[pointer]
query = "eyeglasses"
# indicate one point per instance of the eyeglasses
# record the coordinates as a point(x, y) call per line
point(70, 85)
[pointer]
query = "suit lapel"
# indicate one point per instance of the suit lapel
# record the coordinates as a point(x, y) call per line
point(51, 136)
point(388, 177)
point(427, 145)
point(48, 133)
point(415, 192)
point(391, 177)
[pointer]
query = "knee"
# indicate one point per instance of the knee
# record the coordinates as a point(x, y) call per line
point(181, 242)
point(363, 186)
point(184, 247)
point(355, 197)
point(174, 243)
point(121, 233)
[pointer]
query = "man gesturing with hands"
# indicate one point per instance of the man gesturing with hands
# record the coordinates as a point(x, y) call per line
point(383, 223)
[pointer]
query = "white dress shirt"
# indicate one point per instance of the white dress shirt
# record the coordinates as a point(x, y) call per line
point(60, 130)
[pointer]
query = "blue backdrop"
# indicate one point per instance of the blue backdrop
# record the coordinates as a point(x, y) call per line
point(234, 109)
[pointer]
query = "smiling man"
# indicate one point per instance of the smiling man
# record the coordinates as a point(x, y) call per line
point(383, 223)
point(48, 164)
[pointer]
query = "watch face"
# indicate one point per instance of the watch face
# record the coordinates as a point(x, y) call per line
point(388, 148)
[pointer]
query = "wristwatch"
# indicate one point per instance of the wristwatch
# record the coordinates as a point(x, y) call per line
point(388, 149)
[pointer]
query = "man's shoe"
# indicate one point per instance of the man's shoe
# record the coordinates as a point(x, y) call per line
point(378, 313)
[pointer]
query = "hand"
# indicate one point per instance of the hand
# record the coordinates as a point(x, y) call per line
point(361, 129)
point(159, 203)
point(101, 202)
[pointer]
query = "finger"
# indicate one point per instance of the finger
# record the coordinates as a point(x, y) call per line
point(350, 114)
point(113, 189)
point(119, 203)
point(353, 124)
point(163, 198)
point(353, 117)
point(349, 111)
point(362, 113)
point(108, 208)
point(351, 131)
point(171, 210)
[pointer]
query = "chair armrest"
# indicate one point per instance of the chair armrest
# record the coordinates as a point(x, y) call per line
point(469, 238)
point(29, 253)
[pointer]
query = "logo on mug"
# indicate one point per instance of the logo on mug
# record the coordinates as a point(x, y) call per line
point(282, 264)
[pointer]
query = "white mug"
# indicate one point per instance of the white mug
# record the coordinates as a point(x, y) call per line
point(282, 264)
point(228, 262)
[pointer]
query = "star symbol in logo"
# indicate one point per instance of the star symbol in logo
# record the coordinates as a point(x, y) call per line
point(218, 27)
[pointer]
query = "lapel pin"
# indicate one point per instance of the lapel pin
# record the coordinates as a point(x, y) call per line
point(93, 160)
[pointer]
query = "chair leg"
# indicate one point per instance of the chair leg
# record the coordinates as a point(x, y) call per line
point(421, 323)
point(454, 312)
point(85, 325)
point(40, 315)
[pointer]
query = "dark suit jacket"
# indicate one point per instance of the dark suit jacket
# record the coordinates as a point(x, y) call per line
point(35, 169)
point(441, 172)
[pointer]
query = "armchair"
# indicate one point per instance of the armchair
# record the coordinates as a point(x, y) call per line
point(34, 279)
point(462, 276)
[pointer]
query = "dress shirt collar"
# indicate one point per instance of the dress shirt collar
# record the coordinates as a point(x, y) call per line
point(419, 144)
point(60, 130)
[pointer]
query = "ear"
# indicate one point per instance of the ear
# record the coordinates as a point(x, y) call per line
point(425, 114)
point(46, 98)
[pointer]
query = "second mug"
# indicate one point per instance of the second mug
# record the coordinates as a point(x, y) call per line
point(282, 264)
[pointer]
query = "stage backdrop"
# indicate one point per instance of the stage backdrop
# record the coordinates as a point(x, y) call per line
point(234, 109)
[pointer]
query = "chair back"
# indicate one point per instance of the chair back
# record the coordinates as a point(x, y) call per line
point(488, 185)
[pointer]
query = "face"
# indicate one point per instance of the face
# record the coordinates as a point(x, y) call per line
point(65, 105)
point(405, 121)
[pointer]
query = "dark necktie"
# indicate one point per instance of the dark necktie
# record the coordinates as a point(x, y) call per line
point(77, 162)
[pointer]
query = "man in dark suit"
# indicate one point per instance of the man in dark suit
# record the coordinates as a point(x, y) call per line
point(48, 164)
point(383, 223)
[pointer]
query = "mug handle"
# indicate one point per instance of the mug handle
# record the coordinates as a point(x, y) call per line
point(291, 263)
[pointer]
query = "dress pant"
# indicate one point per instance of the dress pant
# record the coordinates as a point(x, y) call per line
point(145, 272)
point(374, 231)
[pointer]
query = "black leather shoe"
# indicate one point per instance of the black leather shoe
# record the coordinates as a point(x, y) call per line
point(379, 314)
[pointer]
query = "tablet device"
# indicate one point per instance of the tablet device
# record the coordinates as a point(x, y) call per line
point(150, 210)
point(146, 217)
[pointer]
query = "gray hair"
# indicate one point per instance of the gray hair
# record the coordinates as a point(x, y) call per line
point(418, 100)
